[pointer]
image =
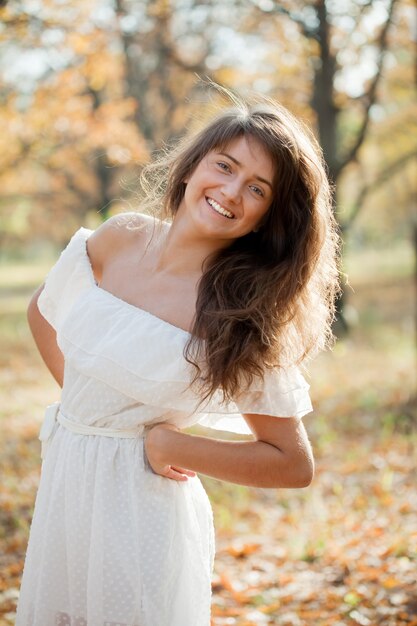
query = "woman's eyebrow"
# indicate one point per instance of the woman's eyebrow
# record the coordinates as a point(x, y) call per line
point(263, 180)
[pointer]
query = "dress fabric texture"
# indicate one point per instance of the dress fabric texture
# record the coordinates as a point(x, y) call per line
point(111, 542)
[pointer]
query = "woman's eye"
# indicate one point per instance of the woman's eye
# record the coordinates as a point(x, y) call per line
point(257, 190)
point(223, 166)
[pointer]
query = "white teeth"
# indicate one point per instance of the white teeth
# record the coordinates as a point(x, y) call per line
point(219, 209)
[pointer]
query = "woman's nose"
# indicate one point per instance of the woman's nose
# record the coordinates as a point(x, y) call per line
point(232, 190)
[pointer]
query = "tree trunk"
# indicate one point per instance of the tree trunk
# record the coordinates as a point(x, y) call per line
point(322, 99)
point(104, 172)
point(322, 102)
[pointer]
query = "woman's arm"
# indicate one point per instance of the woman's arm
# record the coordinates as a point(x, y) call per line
point(281, 456)
point(45, 339)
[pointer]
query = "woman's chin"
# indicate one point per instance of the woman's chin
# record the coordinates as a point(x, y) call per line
point(211, 222)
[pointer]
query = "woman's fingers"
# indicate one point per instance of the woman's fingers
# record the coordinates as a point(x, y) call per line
point(183, 471)
point(177, 473)
point(174, 475)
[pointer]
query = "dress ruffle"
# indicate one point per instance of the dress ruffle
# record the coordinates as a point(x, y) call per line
point(142, 356)
point(67, 280)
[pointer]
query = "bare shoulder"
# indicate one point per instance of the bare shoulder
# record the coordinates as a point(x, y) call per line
point(116, 234)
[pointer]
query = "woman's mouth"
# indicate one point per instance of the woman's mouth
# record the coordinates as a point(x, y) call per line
point(220, 209)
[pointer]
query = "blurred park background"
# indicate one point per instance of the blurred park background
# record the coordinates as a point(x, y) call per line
point(89, 90)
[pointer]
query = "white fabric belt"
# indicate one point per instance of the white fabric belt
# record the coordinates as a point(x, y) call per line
point(53, 416)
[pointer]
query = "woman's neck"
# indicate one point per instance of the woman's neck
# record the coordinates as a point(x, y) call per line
point(181, 251)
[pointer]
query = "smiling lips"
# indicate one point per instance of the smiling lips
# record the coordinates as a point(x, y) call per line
point(219, 209)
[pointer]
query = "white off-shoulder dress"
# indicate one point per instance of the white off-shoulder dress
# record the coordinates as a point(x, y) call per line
point(112, 543)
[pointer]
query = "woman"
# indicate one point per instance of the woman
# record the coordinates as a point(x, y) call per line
point(152, 326)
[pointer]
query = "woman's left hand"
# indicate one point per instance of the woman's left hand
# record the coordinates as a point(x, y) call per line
point(156, 446)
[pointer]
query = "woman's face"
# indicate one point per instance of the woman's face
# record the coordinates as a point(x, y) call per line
point(230, 191)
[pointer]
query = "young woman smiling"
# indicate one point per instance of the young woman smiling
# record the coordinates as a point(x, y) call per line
point(201, 314)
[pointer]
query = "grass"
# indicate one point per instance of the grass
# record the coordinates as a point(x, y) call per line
point(380, 263)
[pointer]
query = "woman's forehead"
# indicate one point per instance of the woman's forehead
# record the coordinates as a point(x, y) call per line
point(243, 138)
point(244, 148)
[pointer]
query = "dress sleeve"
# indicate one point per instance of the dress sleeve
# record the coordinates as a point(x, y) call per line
point(282, 393)
point(68, 278)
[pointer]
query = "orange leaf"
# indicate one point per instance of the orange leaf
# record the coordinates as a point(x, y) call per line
point(241, 550)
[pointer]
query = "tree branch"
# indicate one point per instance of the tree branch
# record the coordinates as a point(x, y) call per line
point(310, 33)
point(370, 96)
point(381, 178)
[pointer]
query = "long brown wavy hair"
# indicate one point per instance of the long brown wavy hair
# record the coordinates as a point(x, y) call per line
point(268, 299)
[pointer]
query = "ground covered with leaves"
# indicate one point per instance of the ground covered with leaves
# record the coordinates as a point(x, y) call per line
point(341, 552)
